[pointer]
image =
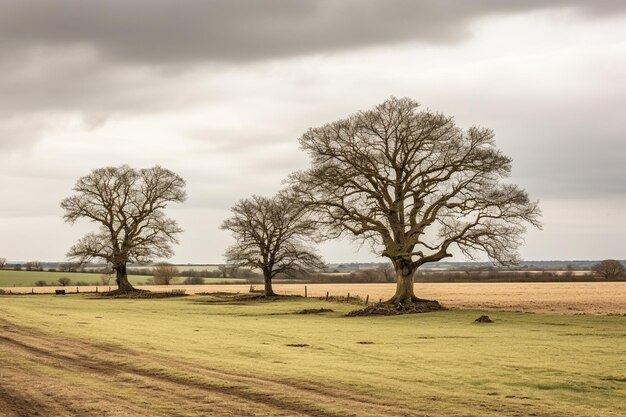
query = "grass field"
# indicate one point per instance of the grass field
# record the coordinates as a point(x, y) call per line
point(9, 278)
point(191, 356)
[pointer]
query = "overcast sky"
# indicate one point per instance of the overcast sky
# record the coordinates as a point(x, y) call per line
point(220, 92)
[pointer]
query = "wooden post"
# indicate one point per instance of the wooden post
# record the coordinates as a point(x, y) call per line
point(367, 299)
point(109, 289)
point(32, 290)
point(326, 295)
point(348, 298)
point(380, 300)
point(76, 290)
point(305, 292)
point(96, 288)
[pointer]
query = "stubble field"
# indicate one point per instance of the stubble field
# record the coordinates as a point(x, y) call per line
point(598, 298)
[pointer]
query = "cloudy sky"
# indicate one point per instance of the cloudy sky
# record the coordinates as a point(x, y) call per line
point(220, 91)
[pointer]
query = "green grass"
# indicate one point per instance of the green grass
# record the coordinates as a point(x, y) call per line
point(9, 278)
point(522, 363)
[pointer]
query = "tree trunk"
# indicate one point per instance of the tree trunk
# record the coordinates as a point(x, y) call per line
point(121, 277)
point(405, 271)
point(269, 291)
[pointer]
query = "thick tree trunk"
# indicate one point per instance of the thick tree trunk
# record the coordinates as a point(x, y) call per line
point(269, 291)
point(405, 271)
point(121, 277)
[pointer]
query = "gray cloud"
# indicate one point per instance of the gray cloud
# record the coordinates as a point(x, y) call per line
point(165, 32)
point(226, 88)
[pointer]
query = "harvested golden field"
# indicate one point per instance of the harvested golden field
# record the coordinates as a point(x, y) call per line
point(559, 298)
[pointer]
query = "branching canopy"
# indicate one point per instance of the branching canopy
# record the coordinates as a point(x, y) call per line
point(272, 234)
point(128, 205)
point(415, 185)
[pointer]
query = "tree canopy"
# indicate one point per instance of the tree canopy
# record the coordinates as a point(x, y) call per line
point(609, 269)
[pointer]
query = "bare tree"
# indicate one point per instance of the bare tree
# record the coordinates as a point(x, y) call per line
point(69, 266)
point(128, 205)
point(163, 273)
point(3, 262)
point(273, 235)
point(387, 271)
point(33, 266)
point(415, 186)
point(609, 269)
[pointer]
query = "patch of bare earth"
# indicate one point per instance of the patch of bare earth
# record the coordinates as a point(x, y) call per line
point(46, 375)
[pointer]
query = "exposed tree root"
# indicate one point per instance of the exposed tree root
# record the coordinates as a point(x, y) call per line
point(123, 292)
point(389, 308)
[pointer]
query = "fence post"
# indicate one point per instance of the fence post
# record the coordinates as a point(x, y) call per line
point(96, 288)
point(367, 299)
point(305, 292)
point(380, 300)
point(76, 290)
point(32, 290)
point(348, 299)
point(326, 295)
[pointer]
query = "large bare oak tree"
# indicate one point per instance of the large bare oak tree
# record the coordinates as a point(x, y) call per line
point(128, 205)
point(273, 235)
point(414, 185)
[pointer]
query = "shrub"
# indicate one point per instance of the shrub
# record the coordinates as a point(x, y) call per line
point(193, 281)
point(64, 281)
point(40, 283)
point(164, 273)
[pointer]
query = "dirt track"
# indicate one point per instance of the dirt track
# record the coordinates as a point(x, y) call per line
point(42, 375)
point(561, 298)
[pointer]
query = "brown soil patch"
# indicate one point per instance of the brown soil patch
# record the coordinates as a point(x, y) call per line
point(483, 319)
point(56, 376)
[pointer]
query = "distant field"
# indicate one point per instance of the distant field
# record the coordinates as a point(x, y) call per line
point(10, 278)
point(183, 267)
point(558, 298)
point(190, 356)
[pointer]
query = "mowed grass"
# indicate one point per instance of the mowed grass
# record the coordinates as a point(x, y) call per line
point(9, 278)
point(524, 364)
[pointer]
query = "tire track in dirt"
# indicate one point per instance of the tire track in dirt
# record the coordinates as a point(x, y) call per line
point(228, 394)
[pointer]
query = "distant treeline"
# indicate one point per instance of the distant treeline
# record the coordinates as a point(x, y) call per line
point(387, 276)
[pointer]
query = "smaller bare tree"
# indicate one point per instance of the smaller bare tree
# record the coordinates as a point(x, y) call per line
point(164, 273)
point(609, 269)
point(3, 262)
point(273, 235)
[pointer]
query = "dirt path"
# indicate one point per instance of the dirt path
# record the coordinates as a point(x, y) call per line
point(49, 376)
